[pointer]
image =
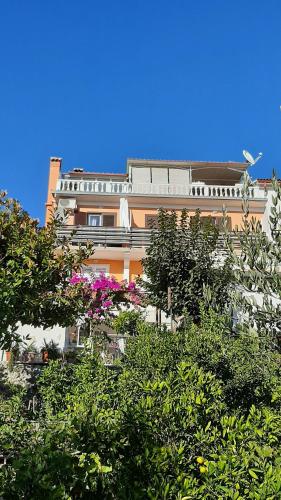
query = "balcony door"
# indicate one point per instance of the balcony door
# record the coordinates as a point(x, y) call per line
point(95, 219)
point(104, 220)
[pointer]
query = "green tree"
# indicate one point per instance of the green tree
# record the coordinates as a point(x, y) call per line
point(257, 269)
point(168, 436)
point(35, 267)
point(183, 257)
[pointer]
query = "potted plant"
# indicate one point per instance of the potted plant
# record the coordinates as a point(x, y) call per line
point(50, 350)
point(71, 356)
point(29, 353)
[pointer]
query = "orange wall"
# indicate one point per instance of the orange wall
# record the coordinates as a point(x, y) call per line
point(103, 210)
point(115, 266)
point(135, 270)
point(138, 216)
point(54, 172)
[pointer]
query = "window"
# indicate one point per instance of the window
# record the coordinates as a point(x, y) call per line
point(151, 221)
point(108, 220)
point(77, 335)
point(216, 221)
point(101, 268)
point(96, 269)
point(105, 220)
point(94, 220)
point(83, 334)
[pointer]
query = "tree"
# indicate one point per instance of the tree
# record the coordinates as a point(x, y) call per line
point(159, 428)
point(257, 269)
point(182, 260)
point(34, 274)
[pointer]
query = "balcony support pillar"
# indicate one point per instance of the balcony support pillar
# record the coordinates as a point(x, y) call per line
point(126, 267)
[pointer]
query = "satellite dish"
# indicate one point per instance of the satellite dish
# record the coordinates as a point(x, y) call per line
point(249, 158)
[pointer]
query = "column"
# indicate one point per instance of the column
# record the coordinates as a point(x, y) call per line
point(126, 268)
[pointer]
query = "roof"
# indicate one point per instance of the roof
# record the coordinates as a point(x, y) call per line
point(94, 174)
point(186, 163)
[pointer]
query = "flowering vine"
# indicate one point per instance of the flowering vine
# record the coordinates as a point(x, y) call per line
point(101, 295)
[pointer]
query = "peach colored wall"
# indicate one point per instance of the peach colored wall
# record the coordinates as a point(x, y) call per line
point(104, 210)
point(115, 266)
point(135, 270)
point(138, 216)
point(54, 172)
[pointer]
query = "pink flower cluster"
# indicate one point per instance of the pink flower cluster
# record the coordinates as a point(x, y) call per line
point(100, 295)
point(78, 278)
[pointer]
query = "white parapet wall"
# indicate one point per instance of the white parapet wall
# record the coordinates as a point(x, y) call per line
point(36, 336)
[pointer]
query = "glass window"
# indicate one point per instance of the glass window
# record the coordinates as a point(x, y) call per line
point(105, 220)
point(83, 334)
point(94, 220)
point(101, 268)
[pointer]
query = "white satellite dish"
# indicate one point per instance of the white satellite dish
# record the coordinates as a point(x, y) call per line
point(249, 158)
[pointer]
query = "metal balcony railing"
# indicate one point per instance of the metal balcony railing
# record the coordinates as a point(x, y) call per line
point(193, 190)
point(116, 236)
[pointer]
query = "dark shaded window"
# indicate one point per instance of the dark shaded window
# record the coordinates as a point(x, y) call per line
point(151, 221)
point(108, 220)
point(216, 221)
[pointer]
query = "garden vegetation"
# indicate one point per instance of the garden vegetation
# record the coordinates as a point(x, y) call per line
point(190, 414)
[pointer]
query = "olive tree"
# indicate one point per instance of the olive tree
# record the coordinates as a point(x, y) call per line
point(257, 267)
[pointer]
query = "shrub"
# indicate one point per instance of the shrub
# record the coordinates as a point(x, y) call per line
point(126, 323)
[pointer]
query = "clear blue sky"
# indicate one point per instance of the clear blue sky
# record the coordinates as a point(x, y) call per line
point(98, 81)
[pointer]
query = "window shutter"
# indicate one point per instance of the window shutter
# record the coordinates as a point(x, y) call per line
point(219, 223)
point(80, 219)
point(216, 221)
point(151, 221)
point(108, 220)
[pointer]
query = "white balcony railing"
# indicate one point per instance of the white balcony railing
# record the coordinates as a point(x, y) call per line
point(194, 190)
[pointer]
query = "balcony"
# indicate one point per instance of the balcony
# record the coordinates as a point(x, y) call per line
point(117, 236)
point(193, 190)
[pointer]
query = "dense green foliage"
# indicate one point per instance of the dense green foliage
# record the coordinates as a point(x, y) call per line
point(126, 323)
point(34, 274)
point(193, 414)
point(257, 269)
point(182, 257)
point(162, 427)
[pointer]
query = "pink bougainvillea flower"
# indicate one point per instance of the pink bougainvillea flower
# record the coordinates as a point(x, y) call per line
point(107, 303)
point(101, 294)
point(78, 278)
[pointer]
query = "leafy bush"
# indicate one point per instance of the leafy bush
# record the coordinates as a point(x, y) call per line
point(176, 440)
point(126, 323)
point(248, 369)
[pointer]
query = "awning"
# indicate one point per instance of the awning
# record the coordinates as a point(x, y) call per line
point(124, 214)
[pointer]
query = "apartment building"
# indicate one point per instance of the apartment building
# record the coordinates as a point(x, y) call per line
point(115, 211)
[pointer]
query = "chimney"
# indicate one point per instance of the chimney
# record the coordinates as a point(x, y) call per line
point(54, 173)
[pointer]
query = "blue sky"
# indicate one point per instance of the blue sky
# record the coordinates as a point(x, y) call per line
point(96, 82)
